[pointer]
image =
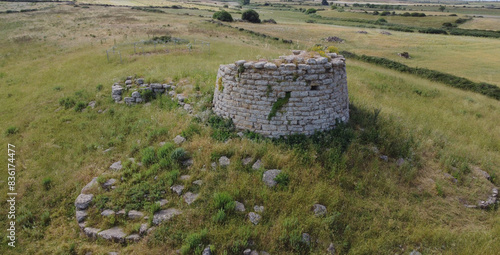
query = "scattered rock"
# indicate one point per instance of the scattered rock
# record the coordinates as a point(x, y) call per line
point(143, 229)
point(264, 253)
point(133, 238)
point(206, 251)
point(306, 238)
point(92, 104)
point(213, 165)
point(109, 183)
point(258, 209)
point(224, 161)
point(108, 150)
point(415, 252)
point(331, 249)
point(81, 216)
point(114, 234)
point(385, 33)
point(254, 218)
point(492, 199)
point(483, 173)
point(179, 139)
point(83, 201)
point(91, 232)
point(334, 39)
point(198, 182)
point(164, 215)
point(190, 197)
point(269, 176)
point(319, 210)
point(240, 207)
point(177, 189)
point(89, 185)
point(117, 166)
point(107, 213)
point(450, 177)
point(247, 252)
point(185, 177)
point(133, 214)
point(404, 55)
point(120, 213)
point(400, 162)
point(240, 134)
point(188, 162)
point(188, 108)
point(257, 165)
point(246, 161)
point(162, 202)
point(254, 252)
point(384, 158)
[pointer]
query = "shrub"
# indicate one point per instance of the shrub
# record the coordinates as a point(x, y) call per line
point(251, 16)
point(147, 95)
point(12, 130)
point(224, 201)
point(380, 21)
point(244, 2)
point(385, 13)
point(165, 150)
point(148, 156)
point(332, 49)
point(223, 16)
point(283, 179)
point(47, 183)
point(67, 102)
point(178, 155)
point(99, 87)
point(310, 11)
point(80, 106)
point(220, 216)
point(433, 31)
point(45, 218)
point(195, 242)
point(223, 129)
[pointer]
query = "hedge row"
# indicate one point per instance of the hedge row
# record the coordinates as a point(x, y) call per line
point(486, 89)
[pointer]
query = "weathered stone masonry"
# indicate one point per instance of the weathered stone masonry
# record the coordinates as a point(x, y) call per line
point(316, 87)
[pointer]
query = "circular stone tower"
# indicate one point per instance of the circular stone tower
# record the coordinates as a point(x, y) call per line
point(301, 93)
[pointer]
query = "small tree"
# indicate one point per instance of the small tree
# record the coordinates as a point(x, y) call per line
point(324, 2)
point(251, 16)
point(223, 16)
point(310, 11)
point(244, 2)
point(442, 8)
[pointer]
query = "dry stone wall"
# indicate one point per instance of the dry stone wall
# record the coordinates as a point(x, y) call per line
point(308, 93)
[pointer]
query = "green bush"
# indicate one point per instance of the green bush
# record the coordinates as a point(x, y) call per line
point(250, 16)
point(220, 216)
point(283, 179)
point(148, 156)
point(223, 129)
point(47, 183)
point(67, 102)
point(223, 16)
point(310, 11)
point(80, 106)
point(195, 243)
point(224, 201)
point(179, 155)
point(165, 150)
point(12, 130)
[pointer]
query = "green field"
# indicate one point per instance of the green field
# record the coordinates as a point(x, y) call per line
point(51, 56)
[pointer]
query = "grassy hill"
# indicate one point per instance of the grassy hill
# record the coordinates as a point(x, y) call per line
point(437, 139)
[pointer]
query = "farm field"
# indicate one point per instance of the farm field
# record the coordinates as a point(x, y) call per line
point(397, 178)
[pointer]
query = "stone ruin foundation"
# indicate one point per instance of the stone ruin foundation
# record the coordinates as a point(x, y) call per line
point(301, 93)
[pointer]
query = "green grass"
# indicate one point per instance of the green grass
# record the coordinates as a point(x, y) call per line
point(373, 206)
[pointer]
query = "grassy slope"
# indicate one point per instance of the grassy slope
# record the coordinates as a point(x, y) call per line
point(382, 208)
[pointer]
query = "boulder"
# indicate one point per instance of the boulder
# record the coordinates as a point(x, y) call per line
point(140, 81)
point(162, 202)
point(258, 209)
point(107, 213)
point(117, 166)
point(136, 94)
point(240, 207)
point(143, 229)
point(83, 201)
point(177, 189)
point(257, 165)
point(133, 214)
point(91, 232)
point(109, 183)
point(254, 218)
point(179, 139)
point(319, 210)
point(114, 234)
point(133, 238)
point(190, 197)
point(89, 185)
point(164, 215)
point(269, 176)
point(81, 216)
point(224, 161)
